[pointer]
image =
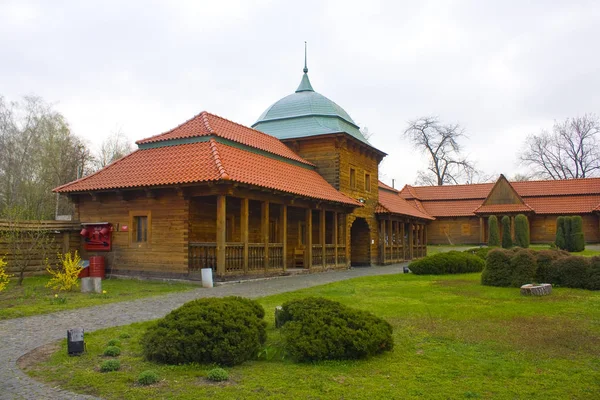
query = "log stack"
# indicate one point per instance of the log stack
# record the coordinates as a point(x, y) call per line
point(531, 289)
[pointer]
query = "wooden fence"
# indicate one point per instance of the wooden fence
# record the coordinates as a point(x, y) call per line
point(63, 237)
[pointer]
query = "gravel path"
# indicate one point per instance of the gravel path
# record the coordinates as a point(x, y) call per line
point(22, 335)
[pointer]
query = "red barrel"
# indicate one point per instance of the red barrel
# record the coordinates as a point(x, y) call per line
point(84, 273)
point(97, 267)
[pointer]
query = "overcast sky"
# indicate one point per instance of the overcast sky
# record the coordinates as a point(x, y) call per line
point(501, 69)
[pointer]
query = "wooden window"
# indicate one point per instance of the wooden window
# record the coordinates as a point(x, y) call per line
point(140, 228)
point(352, 178)
point(367, 182)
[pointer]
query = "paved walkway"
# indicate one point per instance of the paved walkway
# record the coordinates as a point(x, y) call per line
point(22, 335)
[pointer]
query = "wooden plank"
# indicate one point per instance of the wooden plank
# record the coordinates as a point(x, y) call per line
point(411, 241)
point(244, 228)
point(322, 237)
point(221, 234)
point(308, 240)
point(481, 231)
point(389, 227)
point(335, 238)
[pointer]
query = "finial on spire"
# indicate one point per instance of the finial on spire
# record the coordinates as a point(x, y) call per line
point(305, 68)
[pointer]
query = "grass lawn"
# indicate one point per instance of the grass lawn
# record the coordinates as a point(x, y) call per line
point(453, 338)
point(33, 297)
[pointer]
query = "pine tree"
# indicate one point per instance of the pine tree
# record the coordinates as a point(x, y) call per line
point(506, 239)
point(560, 241)
point(577, 238)
point(493, 232)
point(521, 231)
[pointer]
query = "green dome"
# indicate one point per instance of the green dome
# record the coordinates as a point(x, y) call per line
point(306, 113)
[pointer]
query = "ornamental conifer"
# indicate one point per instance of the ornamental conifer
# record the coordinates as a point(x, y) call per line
point(506, 239)
point(493, 232)
point(521, 231)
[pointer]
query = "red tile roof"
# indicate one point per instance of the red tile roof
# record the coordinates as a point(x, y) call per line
point(570, 196)
point(391, 203)
point(207, 124)
point(204, 162)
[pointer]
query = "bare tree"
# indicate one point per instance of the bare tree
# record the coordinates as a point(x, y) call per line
point(569, 151)
point(440, 143)
point(518, 177)
point(115, 146)
point(39, 152)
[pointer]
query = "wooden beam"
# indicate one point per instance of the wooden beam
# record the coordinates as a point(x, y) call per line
point(244, 228)
point(411, 250)
point(322, 237)
point(335, 238)
point(264, 212)
point(481, 230)
point(382, 239)
point(425, 239)
point(283, 217)
point(512, 227)
point(308, 240)
point(221, 234)
point(390, 242)
point(402, 230)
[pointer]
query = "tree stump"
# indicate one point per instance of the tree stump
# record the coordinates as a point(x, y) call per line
point(531, 289)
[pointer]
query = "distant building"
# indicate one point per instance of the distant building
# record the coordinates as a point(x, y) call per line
point(461, 211)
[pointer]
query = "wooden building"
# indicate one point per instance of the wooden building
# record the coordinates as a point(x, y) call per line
point(461, 211)
point(298, 191)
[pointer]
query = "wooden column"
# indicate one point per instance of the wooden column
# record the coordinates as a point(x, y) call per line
point(411, 249)
point(481, 230)
point(347, 242)
point(402, 231)
point(308, 251)
point(244, 228)
point(390, 237)
point(221, 233)
point(322, 237)
point(425, 239)
point(382, 239)
point(283, 217)
point(264, 212)
point(335, 238)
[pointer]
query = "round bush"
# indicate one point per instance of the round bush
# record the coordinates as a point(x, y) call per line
point(217, 375)
point(498, 270)
point(114, 342)
point(148, 377)
point(225, 331)
point(593, 282)
point(110, 365)
point(321, 329)
point(452, 262)
point(124, 335)
point(523, 265)
point(547, 272)
point(112, 351)
point(573, 271)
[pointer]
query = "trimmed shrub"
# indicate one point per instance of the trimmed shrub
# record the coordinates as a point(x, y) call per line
point(593, 282)
point(523, 265)
point(480, 252)
point(521, 231)
point(547, 271)
point(506, 239)
point(148, 377)
point(124, 335)
point(568, 231)
point(498, 270)
point(320, 329)
point(112, 351)
point(573, 271)
point(560, 241)
point(217, 375)
point(577, 238)
point(114, 342)
point(452, 262)
point(493, 231)
point(110, 365)
point(226, 331)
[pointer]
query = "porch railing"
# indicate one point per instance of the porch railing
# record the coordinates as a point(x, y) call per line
point(202, 255)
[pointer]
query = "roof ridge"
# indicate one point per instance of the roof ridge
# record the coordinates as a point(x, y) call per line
point(83, 178)
point(170, 130)
point(558, 180)
point(206, 123)
point(215, 153)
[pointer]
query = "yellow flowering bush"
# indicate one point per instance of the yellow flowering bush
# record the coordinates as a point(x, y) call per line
point(4, 277)
point(65, 277)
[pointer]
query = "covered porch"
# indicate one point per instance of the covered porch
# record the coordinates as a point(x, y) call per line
point(238, 235)
point(401, 239)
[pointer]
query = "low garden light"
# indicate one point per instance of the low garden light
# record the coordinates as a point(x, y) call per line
point(75, 342)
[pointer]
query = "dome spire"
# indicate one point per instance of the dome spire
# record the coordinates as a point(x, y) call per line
point(305, 85)
point(305, 67)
